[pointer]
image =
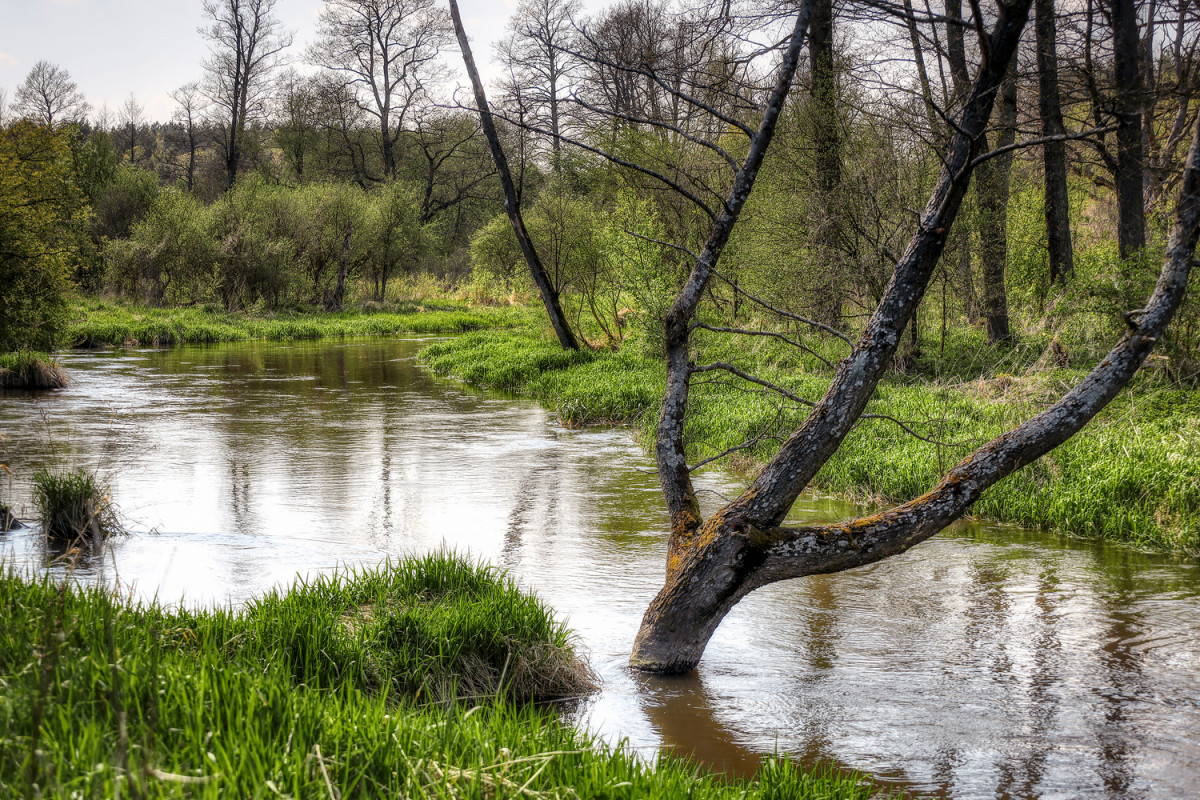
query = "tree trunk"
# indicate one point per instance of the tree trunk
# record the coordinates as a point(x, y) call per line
point(337, 299)
point(742, 547)
point(991, 192)
point(1131, 222)
point(1054, 154)
point(566, 338)
point(711, 565)
point(827, 147)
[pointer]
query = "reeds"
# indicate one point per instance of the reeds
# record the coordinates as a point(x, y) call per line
point(74, 505)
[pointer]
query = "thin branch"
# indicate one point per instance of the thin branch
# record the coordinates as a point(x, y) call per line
point(787, 314)
point(1058, 137)
point(772, 334)
point(746, 376)
point(662, 243)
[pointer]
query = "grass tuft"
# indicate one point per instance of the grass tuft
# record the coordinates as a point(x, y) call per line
point(73, 506)
point(30, 371)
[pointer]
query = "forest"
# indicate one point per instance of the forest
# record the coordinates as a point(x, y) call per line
point(932, 260)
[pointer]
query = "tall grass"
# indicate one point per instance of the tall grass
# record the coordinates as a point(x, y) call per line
point(102, 324)
point(1132, 475)
point(303, 695)
point(73, 505)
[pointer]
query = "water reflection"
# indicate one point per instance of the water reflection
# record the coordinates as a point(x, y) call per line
point(989, 662)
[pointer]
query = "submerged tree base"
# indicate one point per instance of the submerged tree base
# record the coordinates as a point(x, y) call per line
point(29, 371)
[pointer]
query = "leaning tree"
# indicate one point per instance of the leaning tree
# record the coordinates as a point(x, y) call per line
point(713, 563)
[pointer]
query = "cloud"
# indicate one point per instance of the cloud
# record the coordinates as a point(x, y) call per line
point(5, 58)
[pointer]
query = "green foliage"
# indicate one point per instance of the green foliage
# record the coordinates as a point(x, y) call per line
point(122, 202)
point(73, 505)
point(170, 256)
point(40, 218)
point(305, 694)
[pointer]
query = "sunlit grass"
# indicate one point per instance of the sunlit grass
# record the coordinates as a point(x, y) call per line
point(104, 324)
point(350, 686)
point(1132, 475)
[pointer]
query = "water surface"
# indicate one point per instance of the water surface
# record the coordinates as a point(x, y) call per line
point(986, 663)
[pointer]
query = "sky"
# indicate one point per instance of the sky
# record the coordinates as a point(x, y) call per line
point(150, 47)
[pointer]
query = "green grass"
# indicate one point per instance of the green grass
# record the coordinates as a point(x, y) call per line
point(73, 505)
point(328, 690)
point(1132, 475)
point(97, 323)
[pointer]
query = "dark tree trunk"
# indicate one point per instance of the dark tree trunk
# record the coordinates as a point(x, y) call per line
point(337, 300)
point(712, 564)
point(566, 338)
point(1054, 154)
point(991, 193)
point(1131, 222)
point(827, 146)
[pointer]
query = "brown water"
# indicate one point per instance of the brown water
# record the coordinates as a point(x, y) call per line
point(988, 662)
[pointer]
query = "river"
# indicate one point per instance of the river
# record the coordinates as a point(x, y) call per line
point(989, 662)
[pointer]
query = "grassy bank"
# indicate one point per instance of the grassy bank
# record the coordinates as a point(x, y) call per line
point(1132, 475)
point(404, 681)
point(97, 323)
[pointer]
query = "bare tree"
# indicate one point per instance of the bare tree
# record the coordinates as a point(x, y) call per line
point(190, 106)
point(538, 55)
point(387, 51)
point(130, 117)
point(713, 563)
point(298, 120)
point(50, 96)
point(512, 204)
point(1054, 153)
point(246, 44)
point(3, 107)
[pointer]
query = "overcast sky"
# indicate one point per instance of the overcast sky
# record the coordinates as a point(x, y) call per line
point(149, 47)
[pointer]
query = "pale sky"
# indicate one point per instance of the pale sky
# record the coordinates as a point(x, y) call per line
point(150, 47)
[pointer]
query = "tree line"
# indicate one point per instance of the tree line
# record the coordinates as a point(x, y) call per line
point(621, 128)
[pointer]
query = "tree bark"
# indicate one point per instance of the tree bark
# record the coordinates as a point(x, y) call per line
point(991, 193)
point(1131, 221)
point(566, 338)
point(1054, 154)
point(712, 564)
point(828, 153)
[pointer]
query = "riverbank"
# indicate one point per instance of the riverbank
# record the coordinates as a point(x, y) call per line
point(1133, 475)
point(100, 323)
point(409, 680)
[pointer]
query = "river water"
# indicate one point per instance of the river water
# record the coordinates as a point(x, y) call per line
point(989, 662)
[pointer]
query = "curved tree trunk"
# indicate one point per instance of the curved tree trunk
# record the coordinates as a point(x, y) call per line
point(712, 564)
